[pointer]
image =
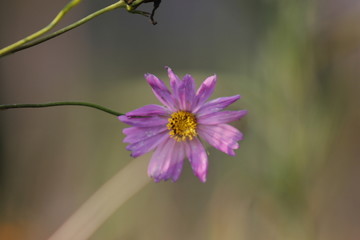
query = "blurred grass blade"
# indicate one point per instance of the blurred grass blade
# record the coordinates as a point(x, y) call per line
point(104, 202)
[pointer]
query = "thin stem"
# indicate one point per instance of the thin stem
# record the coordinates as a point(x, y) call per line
point(41, 32)
point(119, 4)
point(55, 104)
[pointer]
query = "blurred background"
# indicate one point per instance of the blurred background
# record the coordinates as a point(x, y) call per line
point(295, 63)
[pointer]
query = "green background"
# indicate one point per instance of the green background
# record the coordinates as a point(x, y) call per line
point(295, 64)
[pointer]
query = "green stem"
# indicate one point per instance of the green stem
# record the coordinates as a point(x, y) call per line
point(54, 104)
point(19, 47)
point(41, 32)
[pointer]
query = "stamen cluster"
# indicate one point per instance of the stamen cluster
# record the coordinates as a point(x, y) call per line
point(182, 125)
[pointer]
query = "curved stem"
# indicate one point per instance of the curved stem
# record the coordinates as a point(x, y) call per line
point(41, 32)
point(119, 4)
point(54, 104)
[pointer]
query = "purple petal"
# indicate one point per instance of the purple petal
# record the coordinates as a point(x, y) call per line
point(148, 110)
point(221, 117)
point(147, 144)
point(178, 161)
point(175, 81)
point(223, 137)
point(216, 105)
point(137, 134)
point(161, 91)
point(205, 91)
point(165, 162)
point(198, 159)
point(186, 93)
point(144, 121)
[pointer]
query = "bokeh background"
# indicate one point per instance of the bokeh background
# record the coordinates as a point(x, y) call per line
point(295, 63)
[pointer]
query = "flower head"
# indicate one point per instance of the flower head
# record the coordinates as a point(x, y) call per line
point(174, 130)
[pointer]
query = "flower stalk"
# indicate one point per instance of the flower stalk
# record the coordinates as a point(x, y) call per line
point(55, 104)
point(41, 32)
point(39, 36)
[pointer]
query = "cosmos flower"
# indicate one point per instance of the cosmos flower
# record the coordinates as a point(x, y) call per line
point(176, 130)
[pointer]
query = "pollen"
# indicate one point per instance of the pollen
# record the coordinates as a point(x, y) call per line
point(182, 125)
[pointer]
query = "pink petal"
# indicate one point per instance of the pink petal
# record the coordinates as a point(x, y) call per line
point(186, 93)
point(178, 161)
point(216, 105)
point(221, 117)
point(161, 91)
point(137, 134)
point(223, 137)
point(147, 144)
point(164, 163)
point(198, 158)
point(175, 81)
point(148, 110)
point(144, 121)
point(205, 91)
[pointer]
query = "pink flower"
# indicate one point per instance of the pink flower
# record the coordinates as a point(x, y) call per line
point(174, 130)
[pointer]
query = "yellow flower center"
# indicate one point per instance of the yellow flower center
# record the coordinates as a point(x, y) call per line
point(182, 125)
